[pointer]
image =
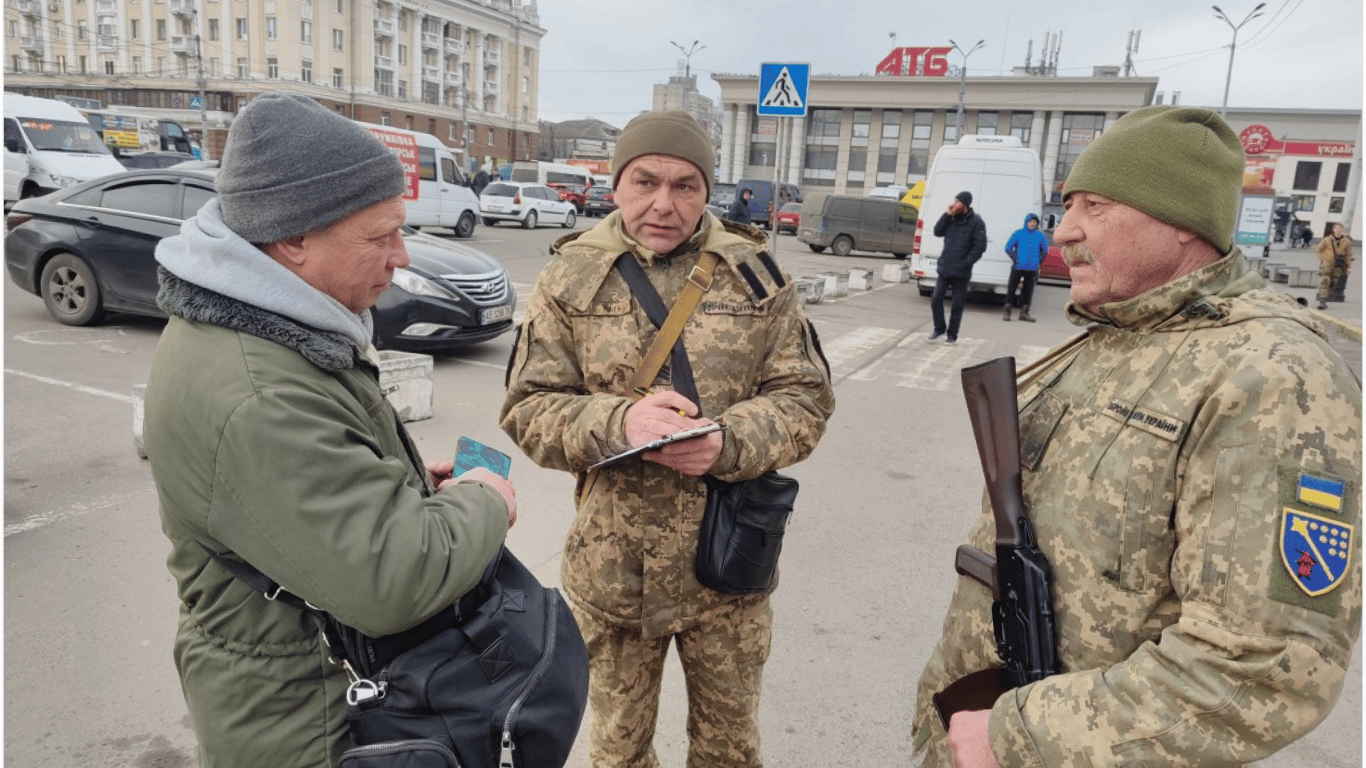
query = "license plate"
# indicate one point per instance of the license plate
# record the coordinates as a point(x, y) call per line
point(495, 314)
point(493, 206)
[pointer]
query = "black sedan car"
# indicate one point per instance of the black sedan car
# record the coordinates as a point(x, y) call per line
point(599, 201)
point(88, 250)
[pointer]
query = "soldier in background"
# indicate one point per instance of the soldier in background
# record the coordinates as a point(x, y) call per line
point(628, 557)
point(1335, 263)
point(1179, 458)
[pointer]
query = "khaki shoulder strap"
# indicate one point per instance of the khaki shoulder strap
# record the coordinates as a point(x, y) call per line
point(699, 281)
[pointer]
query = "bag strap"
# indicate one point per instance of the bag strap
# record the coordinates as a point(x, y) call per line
point(668, 340)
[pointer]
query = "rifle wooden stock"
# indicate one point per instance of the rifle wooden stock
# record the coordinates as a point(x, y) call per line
point(1021, 581)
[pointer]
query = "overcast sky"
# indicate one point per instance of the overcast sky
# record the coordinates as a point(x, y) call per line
point(601, 58)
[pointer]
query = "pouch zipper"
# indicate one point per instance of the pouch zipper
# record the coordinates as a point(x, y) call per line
point(551, 625)
point(389, 746)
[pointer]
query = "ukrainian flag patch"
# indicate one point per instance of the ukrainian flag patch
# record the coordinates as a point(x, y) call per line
point(1320, 492)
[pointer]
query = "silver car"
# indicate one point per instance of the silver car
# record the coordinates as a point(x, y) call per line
point(526, 203)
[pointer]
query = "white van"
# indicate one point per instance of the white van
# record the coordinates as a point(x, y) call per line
point(1006, 182)
point(438, 194)
point(48, 146)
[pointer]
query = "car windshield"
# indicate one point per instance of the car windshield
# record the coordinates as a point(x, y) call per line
point(791, 208)
point(62, 136)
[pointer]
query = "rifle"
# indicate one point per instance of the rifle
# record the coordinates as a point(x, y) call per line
point(1018, 576)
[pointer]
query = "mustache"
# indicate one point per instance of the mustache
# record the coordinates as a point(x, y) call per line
point(1077, 254)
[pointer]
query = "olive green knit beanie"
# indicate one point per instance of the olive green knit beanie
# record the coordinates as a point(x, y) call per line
point(1180, 165)
point(668, 132)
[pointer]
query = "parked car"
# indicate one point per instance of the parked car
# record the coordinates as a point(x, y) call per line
point(571, 193)
point(525, 203)
point(136, 160)
point(599, 201)
point(764, 202)
point(88, 250)
point(789, 218)
point(1053, 267)
point(844, 223)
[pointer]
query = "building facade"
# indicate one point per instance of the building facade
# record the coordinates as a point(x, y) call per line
point(462, 70)
point(884, 130)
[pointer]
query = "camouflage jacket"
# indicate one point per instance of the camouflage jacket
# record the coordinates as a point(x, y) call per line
point(758, 368)
point(1178, 456)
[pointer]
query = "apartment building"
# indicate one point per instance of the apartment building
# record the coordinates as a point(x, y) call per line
point(463, 70)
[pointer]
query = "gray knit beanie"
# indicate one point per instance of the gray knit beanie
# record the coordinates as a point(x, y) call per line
point(668, 132)
point(1180, 165)
point(292, 166)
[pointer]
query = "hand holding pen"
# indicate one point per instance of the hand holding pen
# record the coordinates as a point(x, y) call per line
point(663, 413)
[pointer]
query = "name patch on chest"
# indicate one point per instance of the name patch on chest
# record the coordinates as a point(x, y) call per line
point(1165, 427)
point(731, 308)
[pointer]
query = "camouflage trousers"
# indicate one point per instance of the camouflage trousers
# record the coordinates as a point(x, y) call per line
point(723, 658)
point(1332, 284)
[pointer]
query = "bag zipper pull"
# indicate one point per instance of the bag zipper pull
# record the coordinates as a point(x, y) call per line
point(505, 756)
point(361, 690)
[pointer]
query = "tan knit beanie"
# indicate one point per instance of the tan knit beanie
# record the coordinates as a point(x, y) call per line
point(669, 132)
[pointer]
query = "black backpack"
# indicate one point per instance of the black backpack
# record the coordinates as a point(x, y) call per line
point(499, 680)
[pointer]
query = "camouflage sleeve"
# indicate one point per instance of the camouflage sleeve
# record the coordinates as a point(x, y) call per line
point(549, 410)
point(782, 423)
point(1259, 652)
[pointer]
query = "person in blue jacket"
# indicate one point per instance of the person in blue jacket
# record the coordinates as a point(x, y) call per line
point(1027, 248)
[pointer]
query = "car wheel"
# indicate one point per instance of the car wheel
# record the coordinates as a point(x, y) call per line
point(899, 255)
point(465, 226)
point(570, 219)
point(927, 290)
point(816, 248)
point(70, 291)
point(530, 221)
point(489, 222)
point(842, 245)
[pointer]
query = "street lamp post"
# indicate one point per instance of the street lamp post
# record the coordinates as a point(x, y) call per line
point(1228, 80)
point(963, 83)
point(687, 55)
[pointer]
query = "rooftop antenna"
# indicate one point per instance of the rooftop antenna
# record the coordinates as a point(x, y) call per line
point(1130, 49)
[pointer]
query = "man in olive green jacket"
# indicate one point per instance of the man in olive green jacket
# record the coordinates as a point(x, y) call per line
point(271, 442)
point(1191, 465)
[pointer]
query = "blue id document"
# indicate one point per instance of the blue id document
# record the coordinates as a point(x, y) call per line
point(470, 453)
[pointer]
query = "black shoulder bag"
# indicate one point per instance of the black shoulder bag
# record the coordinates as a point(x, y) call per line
point(499, 680)
point(742, 529)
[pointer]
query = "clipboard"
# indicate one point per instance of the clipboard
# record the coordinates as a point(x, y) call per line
point(655, 445)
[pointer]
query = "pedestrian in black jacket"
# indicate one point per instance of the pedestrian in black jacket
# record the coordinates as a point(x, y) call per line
point(739, 209)
point(965, 240)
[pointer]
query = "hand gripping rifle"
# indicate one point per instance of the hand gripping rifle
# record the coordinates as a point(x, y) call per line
point(1018, 576)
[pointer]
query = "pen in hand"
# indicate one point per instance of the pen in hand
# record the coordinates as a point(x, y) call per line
point(643, 392)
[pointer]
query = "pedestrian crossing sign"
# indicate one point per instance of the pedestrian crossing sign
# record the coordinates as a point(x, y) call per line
point(782, 89)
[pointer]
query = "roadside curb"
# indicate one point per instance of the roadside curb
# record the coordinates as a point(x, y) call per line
point(1343, 327)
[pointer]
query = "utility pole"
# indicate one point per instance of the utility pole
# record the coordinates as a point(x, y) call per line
point(687, 56)
point(203, 86)
point(1234, 45)
point(963, 83)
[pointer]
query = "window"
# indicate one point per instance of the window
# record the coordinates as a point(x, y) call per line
point(195, 198)
point(1344, 172)
point(862, 119)
point(891, 126)
point(339, 6)
point(526, 85)
point(214, 67)
point(922, 131)
point(272, 32)
point(1303, 203)
point(109, 67)
point(161, 29)
point(402, 89)
point(306, 71)
point(152, 199)
point(951, 129)
point(493, 138)
point(987, 123)
point(213, 29)
point(1021, 124)
point(1078, 131)
point(306, 32)
point(137, 65)
point(133, 29)
point(426, 164)
point(1307, 174)
point(1335, 204)
point(338, 38)
point(403, 54)
point(858, 164)
point(243, 69)
point(824, 122)
point(82, 33)
point(273, 68)
point(241, 29)
point(338, 78)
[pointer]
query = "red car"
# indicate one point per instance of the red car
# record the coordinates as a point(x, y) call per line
point(571, 193)
point(1053, 267)
point(790, 217)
